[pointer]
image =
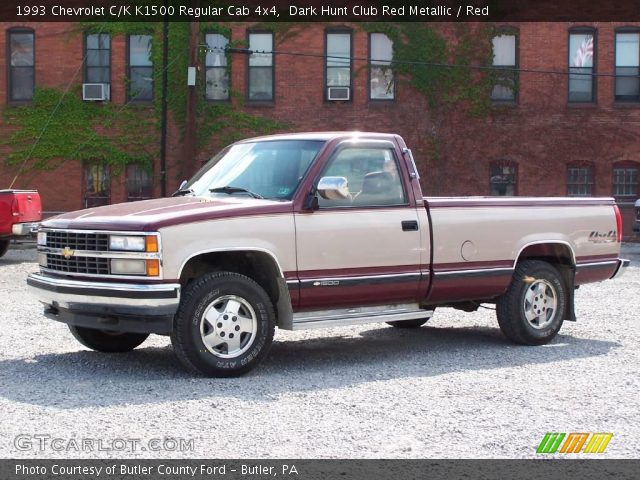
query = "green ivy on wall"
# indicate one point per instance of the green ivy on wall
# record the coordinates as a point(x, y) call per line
point(77, 131)
point(123, 134)
point(438, 68)
point(57, 127)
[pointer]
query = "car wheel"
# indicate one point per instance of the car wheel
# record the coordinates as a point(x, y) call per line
point(107, 341)
point(531, 311)
point(4, 246)
point(224, 325)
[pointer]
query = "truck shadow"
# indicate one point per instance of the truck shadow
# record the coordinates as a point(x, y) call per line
point(152, 375)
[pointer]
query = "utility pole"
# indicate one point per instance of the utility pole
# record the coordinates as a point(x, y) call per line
point(189, 149)
point(163, 100)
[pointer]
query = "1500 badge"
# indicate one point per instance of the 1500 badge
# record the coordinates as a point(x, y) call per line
point(327, 283)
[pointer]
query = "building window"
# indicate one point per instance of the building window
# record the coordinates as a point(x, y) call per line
point(98, 58)
point(139, 183)
point(503, 180)
point(140, 68)
point(381, 85)
point(96, 181)
point(338, 66)
point(580, 181)
point(261, 67)
point(628, 66)
point(581, 65)
point(505, 57)
point(625, 180)
point(216, 72)
point(22, 64)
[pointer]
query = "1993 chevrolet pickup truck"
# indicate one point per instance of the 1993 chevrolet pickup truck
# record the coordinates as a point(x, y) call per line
point(314, 230)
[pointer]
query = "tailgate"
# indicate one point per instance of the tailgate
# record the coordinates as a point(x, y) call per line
point(28, 207)
point(18, 206)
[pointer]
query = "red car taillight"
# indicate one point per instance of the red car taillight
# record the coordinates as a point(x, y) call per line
point(618, 222)
point(15, 208)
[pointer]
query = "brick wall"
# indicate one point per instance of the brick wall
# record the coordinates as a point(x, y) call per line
point(541, 134)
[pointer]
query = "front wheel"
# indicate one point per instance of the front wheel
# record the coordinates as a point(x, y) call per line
point(531, 311)
point(224, 326)
point(106, 341)
point(4, 246)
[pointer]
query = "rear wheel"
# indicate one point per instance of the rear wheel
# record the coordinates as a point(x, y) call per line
point(106, 341)
point(4, 246)
point(531, 311)
point(224, 326)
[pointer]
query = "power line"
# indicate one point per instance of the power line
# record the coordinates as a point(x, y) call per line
point(391, 63)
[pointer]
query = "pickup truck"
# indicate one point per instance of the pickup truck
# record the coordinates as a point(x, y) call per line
point(314, 230)
point(20, 214)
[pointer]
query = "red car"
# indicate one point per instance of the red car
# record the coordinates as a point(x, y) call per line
point(20, 214)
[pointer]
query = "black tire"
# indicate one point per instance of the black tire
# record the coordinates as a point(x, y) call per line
point(4, 246)
point(105, 341)
point(532, 309)
point(236, 343)
point(418, 322)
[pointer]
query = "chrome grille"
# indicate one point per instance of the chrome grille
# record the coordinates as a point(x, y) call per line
point(78, 241)
point(83, 265)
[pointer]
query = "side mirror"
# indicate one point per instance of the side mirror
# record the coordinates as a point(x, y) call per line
point(184, 182)
point(333, 188)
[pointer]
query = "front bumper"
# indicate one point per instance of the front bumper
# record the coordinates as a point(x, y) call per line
point(622, 266)
point(124, 307)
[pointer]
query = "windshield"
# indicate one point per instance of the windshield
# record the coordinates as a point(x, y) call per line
point(268, 169)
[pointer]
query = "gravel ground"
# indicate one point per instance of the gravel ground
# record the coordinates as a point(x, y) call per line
point(454, 388)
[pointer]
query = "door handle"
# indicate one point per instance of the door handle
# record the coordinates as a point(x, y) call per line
point(409, 225)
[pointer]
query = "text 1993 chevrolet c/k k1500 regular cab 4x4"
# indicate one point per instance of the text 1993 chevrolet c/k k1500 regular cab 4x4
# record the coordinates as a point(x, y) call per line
point(310, 230)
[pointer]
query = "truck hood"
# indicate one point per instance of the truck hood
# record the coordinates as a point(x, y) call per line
point(151, 215)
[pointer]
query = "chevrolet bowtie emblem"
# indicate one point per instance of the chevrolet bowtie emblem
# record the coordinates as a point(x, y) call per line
point(67, 253)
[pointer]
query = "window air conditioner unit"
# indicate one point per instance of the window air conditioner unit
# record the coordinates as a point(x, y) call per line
point(338, 93)
point(95, 91)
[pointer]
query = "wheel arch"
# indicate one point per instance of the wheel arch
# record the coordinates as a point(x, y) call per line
point(260, 265)
point(561, 255)
point(556, 252)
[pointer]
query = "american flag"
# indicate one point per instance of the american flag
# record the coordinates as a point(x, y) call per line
point(584, 54)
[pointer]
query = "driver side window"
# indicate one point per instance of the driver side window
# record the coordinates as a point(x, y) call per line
point(372, 174)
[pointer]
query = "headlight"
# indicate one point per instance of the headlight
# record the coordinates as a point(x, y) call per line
point(122, 242)
point(128, 267)
point(42, 259)
point(42, 239)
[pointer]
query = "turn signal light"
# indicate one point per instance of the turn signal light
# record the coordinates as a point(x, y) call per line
point(152, 243)
point(153, 268)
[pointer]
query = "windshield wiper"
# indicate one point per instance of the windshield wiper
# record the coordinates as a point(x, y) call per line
point(183, 191)
point(229, 190)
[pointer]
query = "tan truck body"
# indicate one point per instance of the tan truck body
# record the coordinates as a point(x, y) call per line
point(323, 256)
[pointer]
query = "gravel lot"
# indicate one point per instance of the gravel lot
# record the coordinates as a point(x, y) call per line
point(454, 388)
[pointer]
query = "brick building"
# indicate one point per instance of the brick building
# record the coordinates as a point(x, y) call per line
point(546, 132)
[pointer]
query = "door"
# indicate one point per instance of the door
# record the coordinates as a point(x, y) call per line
point(365, 249)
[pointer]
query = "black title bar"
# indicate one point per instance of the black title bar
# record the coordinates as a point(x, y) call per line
point(208, 469)
point(320, 10)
